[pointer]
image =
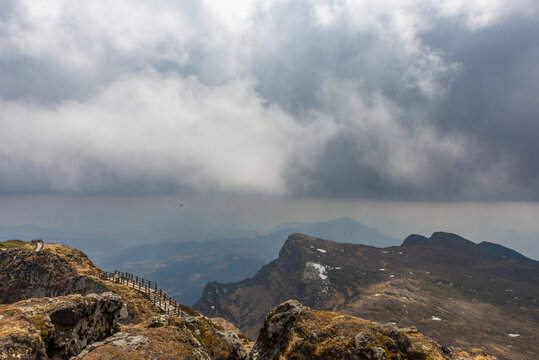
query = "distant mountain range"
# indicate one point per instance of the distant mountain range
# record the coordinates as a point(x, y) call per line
point(450, 288)
point(183, 269)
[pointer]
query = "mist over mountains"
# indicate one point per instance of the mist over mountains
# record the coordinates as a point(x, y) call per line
point(184, 263)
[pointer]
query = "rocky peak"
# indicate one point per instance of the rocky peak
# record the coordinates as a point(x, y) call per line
point(415, 239)
point(451, 242)
point(293, 331)
point(55, 271)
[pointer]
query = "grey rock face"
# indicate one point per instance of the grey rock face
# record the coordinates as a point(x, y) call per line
point(270, 343)
point(77, 324)
point(25, 275)
point(65, 324)
point(121, 340)
point(232, 339)
point(158, 321)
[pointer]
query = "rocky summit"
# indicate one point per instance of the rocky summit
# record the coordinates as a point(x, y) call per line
point(293, 331)
point(58, 270)
point(55, 304)
point(455, 291)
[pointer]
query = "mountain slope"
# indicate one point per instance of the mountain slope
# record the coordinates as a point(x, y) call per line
point(450, 288)
point(504, 251)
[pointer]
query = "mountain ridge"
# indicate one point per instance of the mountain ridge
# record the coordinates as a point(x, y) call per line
point(413, 285)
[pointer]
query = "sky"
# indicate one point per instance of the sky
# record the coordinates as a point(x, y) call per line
point(400, 114)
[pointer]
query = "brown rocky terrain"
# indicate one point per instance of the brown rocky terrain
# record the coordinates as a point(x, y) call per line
point(123, 323)
point(293, 331)
point(451, 289)
point(119, 322)
point(55, 271)
point(57, 327)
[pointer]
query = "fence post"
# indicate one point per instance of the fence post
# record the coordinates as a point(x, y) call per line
point(156, 295)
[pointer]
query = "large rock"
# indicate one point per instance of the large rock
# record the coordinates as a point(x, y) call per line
point(55, 271)
point(293, 331)
point(58, 327)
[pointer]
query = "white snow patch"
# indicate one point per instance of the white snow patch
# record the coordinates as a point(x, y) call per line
point(513, 335)
point(391, 275)
point(313, 269)
point(322, 251)
point(435, 318)
point(338, 268)
point(382, 269)
point(377, 294)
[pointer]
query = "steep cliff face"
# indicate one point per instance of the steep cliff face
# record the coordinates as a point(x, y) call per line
point(453, 290)
point(58, 327)
point(293, 331)
point(57, 270)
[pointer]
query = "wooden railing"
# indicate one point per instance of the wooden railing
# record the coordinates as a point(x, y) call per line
point(153, 292)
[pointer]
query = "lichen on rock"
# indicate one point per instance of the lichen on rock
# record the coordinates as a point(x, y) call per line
point(58, 327)
point(293, 331)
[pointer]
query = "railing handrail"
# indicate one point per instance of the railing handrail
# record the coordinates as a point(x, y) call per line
point(152, 291)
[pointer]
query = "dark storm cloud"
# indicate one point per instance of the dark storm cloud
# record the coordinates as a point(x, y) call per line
point(351, 99)
point(495, 97)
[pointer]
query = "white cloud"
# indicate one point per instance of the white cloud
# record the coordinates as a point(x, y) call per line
point(220, 97)
point(169, 129)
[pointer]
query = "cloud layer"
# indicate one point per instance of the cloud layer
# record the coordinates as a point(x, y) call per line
point(374, 100)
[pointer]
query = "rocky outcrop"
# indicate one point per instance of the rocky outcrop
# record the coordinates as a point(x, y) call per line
point(166, 337)
point(293, 331)
point(55, 271)
point(120, 324)
point(120, 340)
point(58, 327)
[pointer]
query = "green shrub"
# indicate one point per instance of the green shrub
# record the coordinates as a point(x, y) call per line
point(13, 244)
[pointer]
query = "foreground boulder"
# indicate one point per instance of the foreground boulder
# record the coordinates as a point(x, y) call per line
point(293, 331)
point(190, 337)
point(58, 327)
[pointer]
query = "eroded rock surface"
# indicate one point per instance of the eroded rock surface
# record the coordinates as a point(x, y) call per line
point(58, 327)
point(191, 337)
point(293, 331)
point(55, 271)
point(118, 323)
